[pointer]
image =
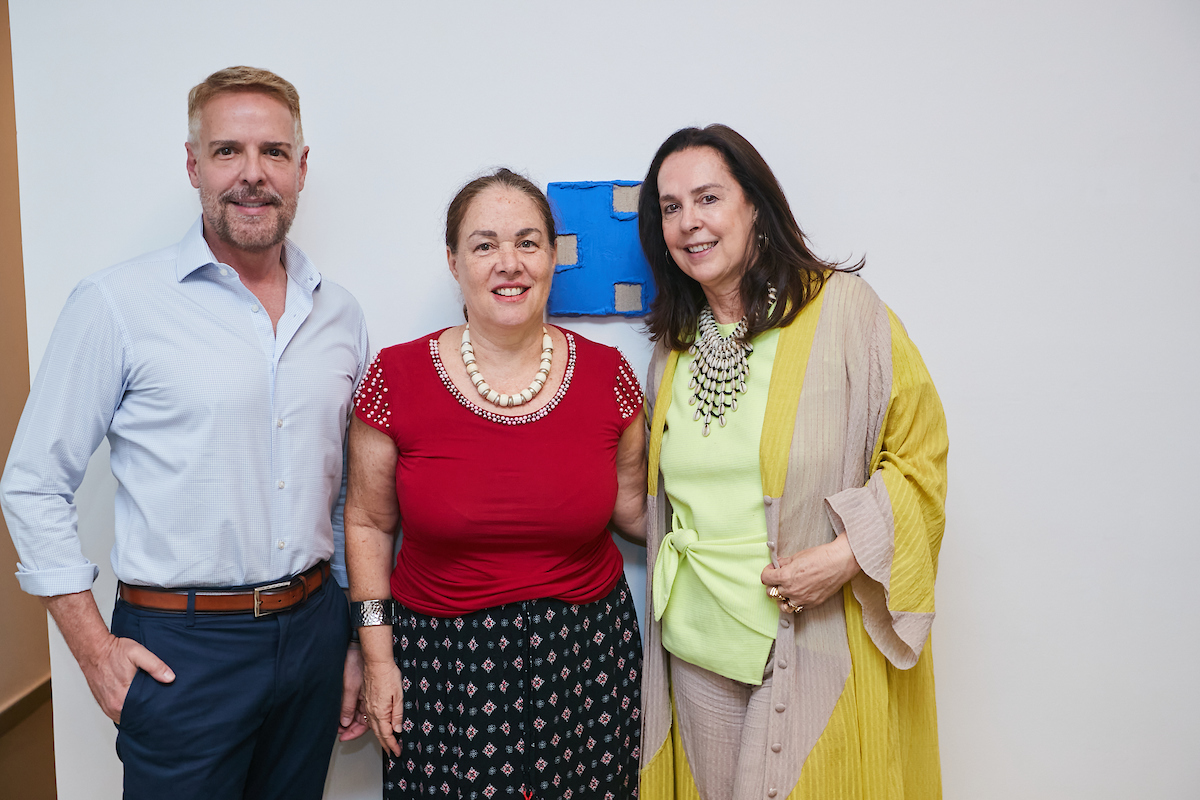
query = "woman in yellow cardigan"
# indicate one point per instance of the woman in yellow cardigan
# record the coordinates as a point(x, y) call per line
point(796, 488)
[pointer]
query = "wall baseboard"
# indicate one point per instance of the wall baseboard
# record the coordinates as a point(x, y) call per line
point(23, 706)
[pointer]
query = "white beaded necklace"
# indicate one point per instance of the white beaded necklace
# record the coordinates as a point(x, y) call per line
point(490, 394)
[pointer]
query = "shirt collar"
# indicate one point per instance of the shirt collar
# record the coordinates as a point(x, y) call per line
point(194, 254)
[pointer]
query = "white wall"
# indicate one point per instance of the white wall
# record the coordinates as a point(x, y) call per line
point(1024, 178)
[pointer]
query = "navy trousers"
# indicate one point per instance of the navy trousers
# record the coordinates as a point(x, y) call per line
point(253, 711)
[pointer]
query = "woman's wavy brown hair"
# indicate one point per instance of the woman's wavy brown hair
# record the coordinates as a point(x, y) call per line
point(785, 261)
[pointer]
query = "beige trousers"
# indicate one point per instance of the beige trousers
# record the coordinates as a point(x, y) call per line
point(723, 724)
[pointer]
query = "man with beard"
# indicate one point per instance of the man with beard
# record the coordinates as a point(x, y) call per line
point(221, 371)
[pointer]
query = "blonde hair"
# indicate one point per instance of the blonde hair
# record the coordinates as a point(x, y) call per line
point(242, 79)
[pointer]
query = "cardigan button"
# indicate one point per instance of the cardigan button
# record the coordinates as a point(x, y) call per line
point(780, 707)
point(775, 748)
point(785, 623)
point(772, 792)
point(767, 500)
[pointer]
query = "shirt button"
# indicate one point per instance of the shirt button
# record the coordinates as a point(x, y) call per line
point(281, 544)
point(282, 484)
point(780, 707)
point(278, 423)
point(775, 748)
point(223, 272)
point(254, 308)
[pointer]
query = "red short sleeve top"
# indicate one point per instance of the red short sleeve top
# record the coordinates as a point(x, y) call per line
point(499, 509)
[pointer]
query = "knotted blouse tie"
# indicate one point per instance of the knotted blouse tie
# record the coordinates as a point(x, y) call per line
point(721, 565)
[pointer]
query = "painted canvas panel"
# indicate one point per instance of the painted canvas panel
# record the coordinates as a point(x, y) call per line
point(601, 270)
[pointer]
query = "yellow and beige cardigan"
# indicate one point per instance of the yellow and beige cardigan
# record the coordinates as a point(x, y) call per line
point(854, 440)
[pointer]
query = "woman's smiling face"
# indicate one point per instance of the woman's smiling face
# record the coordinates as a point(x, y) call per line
point(707, 221)
point(504, 261)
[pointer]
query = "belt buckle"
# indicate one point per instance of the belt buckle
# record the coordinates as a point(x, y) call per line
point(258, 612)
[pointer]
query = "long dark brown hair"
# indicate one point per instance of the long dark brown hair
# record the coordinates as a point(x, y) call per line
point(779, 254)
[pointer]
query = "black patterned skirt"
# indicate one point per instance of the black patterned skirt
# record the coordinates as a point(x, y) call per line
point(538, 699)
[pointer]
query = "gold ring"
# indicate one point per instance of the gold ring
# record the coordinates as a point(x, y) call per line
point(773, 591)
point(795, 609)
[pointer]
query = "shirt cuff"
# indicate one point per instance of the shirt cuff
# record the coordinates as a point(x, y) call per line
point(60, 580)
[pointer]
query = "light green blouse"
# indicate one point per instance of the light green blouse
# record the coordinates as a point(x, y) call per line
point(714, 609)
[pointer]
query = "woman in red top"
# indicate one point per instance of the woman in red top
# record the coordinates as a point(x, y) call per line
point(505, 449)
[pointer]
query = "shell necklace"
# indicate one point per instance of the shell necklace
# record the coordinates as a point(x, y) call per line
point(490, 394)
point(719, 367)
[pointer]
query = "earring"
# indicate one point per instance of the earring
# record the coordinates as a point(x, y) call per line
point(763, 241)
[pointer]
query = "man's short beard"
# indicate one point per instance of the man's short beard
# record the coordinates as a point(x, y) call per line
point(251, 237)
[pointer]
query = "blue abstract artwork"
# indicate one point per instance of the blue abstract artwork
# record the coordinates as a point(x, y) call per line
point(601, 270)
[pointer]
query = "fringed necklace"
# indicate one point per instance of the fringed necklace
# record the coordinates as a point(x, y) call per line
point(719, 368)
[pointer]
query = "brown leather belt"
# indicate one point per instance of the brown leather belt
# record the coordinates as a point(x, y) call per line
point(270, 598)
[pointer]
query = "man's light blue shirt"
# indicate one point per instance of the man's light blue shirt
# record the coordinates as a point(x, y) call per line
point(227, 437)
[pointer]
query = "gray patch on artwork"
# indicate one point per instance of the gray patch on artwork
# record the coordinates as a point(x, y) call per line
point(627, 297)
point(568, 255)
point(625, 199)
